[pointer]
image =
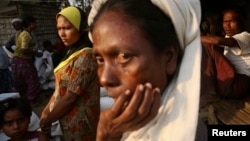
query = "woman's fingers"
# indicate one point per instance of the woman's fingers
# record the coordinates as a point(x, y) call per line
point(146, 103)
point(148, 107)
point(154, 107)
point(140, 104)
point(132, 106)
point(142, 108)
point(120, 103)
point(130, 111)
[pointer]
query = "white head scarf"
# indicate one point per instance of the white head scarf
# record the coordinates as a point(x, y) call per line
point(178, 115)
point(16, 20)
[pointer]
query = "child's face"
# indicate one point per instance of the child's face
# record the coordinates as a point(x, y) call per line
point(15, 124)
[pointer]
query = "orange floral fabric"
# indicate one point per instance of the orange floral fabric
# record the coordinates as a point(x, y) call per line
point(79, 77)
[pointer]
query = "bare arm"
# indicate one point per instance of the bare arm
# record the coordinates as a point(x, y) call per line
point(61, 108)
point(46, 109)
point(46, 129)
point(129, 112)
point(221, 41)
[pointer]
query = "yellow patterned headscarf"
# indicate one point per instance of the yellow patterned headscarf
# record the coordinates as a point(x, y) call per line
point(72, 14)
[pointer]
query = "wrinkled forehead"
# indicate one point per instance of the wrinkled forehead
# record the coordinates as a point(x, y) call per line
point(115, 22)
point(112, 18)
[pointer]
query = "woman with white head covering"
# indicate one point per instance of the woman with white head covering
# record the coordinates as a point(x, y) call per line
point(148, 55)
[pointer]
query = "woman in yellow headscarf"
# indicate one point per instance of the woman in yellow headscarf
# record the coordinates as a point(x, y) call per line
point(75, 101)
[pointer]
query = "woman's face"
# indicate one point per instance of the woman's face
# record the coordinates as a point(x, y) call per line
point(66, 31)
point(125, 58)
point(230, 23)
point(15, 124)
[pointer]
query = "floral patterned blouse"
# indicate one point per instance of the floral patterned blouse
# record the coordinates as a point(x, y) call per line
point(78, 75)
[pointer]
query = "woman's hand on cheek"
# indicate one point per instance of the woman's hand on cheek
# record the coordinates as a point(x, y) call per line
point(129, 112)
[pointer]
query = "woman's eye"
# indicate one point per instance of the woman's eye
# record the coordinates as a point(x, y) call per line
point(99, 60)
point(123, 58)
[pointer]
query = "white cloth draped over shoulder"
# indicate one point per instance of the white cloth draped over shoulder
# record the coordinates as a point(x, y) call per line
point(178, 115)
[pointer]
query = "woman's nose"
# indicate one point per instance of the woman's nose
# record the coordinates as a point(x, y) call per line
point(108, 76)
point(61, 33)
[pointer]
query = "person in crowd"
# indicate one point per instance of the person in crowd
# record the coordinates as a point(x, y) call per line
point(15, 114)
point(23, 69)
point(48, 52)
point(149, 57)
point(211, 24)
point(76, 99)
point(17, 25)
point(59, 52)
point(226, 60)
point(46, 67)
point(6, 82)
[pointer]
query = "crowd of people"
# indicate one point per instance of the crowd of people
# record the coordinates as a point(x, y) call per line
point(147, 58)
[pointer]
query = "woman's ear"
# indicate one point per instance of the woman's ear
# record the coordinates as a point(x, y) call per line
point(172, 59)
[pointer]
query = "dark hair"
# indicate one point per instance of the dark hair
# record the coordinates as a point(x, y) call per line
point(241, 15)
point(27, 21)
point(211, 24)
point(155, 25)
point(47, 44)
point(84, 27)
point(13, 104)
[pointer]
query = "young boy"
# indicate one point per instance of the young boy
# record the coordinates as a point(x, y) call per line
point(15, 116)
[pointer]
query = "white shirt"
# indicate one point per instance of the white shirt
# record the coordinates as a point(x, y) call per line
point(240, 57)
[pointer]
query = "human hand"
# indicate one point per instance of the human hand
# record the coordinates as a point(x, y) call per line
point(45, 126)
point(129, 112)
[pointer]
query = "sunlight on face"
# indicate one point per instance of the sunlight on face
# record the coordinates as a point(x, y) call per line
point(66, 31)
point(125, 58)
